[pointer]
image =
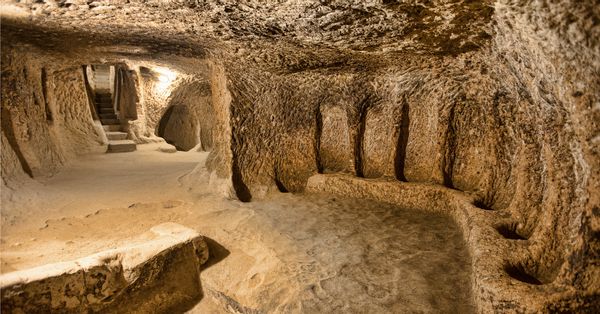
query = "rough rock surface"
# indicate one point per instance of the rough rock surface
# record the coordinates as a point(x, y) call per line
point(45, 116)
point(189, 117)
point(498, 99)
point(496, 249)
point(158, 271)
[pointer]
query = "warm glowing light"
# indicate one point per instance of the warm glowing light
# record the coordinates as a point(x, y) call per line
point(9, 10)
point(165, 79)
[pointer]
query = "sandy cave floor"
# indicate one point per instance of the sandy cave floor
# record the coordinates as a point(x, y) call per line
point(288, 253)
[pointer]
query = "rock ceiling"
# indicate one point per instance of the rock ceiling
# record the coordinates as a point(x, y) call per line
point(292, 33)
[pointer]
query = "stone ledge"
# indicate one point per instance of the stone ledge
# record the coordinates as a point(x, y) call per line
point(157, 273)
point(494, 290)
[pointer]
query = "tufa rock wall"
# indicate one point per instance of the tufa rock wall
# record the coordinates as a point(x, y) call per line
point(46, 117)
point(514, 125)
point(499, 100)
point(554, 57)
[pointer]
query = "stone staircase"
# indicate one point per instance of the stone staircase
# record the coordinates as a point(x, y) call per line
point(117, 140)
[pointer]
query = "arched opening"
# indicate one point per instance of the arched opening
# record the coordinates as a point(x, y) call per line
point(112, 96)
point(179, 127)
point(187, 122)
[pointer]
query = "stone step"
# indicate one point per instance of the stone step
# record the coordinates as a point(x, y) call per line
point(110, 121)
point(121, 146)
point(116, 136)
point(105, 105)
point(107, 110)
point(111, 128)
point(108, 116)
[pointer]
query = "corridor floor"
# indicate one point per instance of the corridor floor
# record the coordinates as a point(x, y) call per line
point(285, 253)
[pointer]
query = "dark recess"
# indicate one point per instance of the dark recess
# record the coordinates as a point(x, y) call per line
point(402, 143)
point(509, 231)
point(480, 204)
point(162, 125)
point(519, 273)
point(450, 147)
point(44, 78)
point(318, 132)
point(241, 190)
point(280, 186)
point(360, 134)
point(10, 136)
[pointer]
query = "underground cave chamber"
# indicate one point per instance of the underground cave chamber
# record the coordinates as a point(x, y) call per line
point(300, 156)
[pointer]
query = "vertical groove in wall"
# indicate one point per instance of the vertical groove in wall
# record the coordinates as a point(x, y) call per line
point(237, 179)
point(492, 199)
point(117, 90)
point(358, 141)
point(9, 132)
point(280, 186)
point(318, 132)
point(403, 134)
point(89, 93)
point(362, 107)
point(450, 146)
point(241, 189)
point(44, 80)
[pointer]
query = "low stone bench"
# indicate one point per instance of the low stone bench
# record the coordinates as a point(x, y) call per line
point(159, 273)
point(496, 277)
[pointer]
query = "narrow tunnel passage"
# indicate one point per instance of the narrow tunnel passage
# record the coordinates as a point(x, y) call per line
point(380, 156)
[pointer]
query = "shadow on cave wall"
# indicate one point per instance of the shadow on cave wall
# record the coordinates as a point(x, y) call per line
point(241, 189)
point(162, 125)
point(10, 136)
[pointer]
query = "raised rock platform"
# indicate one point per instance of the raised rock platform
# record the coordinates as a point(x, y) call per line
point(502, 280)
point(159, 272)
